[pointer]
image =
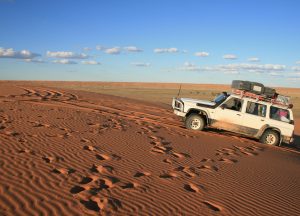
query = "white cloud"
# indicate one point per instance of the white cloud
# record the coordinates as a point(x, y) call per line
point(231, 72)
point(141, 64)
point(294, 79)
point(259, 68)
point(237, 68)
point(90, 62)
point(229, 56)
point(100, 47)
point(113, 51)
point(298, 62)
point(275, 74)
point(296, 68)
point(87, 48)
point(133, 49)
point(253, 59)
point(202, 54)
point(165, 50)
point(188, 66)
point(64, 54)
point(296, 74)
point(11, 53)
point(64, 61)
point(34, 60)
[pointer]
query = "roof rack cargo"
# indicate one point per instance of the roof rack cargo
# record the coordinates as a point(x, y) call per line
point(259, 92)
point(277, 99)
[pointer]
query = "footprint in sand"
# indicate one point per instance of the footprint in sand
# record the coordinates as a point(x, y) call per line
point(48, 159)
point(12, 133)
point(108, 157)
point(208, 168)
point(168, 161)
point(93, 124)
point(212, 206)
point(141, 174)
point(105, 183)
point(63, 171)
point(88, 179)
point(249, 153)
point(116, 157)
point(77, 189)
point(22, 140)
point(190, 187)
point(161, 149)
point(227, 160)
point(24, 151)
point(255, 148)
point(90, 205)
point(96, 204)
point(187, 171)
point(84, 140)
point(181, 155)
point(170, 175)
point(89, 148)
point(103, 157)
point(102, 169)
point(207, 160)
point(66, 135)
point(129, 185)
point(38, 124)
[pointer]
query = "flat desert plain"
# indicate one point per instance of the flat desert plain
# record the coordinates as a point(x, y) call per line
point(67, 149)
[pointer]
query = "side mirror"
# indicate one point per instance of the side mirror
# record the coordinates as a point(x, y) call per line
point(224, 106)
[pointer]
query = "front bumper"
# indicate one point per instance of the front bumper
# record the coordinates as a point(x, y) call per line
point(179, 113)
point(287, 139)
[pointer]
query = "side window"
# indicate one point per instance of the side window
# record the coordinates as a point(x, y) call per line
point(256, 109)
point(233, 104)
point(279, 114)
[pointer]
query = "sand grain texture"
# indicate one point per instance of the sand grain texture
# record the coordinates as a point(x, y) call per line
point(68, 152)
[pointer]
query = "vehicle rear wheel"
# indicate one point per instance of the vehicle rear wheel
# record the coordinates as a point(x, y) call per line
point(270, 137)
point(195, 122)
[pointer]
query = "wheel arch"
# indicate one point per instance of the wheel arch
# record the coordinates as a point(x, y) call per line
point(199, 112)
point(268, 127)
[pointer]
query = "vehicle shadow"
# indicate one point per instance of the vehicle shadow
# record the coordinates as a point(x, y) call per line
point(227, 133)
point(294, 146)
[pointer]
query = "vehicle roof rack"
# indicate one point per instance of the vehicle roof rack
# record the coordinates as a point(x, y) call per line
point(278, 99)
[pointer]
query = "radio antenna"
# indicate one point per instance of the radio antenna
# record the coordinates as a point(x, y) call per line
point(179, 91)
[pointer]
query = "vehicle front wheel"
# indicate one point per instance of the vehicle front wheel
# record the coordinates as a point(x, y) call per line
point(270, 137)
point(195, 122)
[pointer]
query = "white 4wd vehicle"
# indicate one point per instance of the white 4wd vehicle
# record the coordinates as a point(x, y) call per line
point(270, 123)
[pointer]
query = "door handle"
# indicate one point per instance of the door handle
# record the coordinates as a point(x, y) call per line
point(262, 120)
point(238, 114)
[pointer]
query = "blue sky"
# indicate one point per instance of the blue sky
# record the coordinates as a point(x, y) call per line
point(200, 41)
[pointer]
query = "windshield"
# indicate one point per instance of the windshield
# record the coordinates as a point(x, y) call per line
point(221, 97)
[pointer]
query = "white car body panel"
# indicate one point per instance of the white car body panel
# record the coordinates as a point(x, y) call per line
point(236, 121)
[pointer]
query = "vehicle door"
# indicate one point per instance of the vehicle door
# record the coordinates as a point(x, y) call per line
point(254, 117)
point(281, 118)
point(228, 115)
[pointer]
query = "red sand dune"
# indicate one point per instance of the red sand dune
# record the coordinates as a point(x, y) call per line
point(69, 152)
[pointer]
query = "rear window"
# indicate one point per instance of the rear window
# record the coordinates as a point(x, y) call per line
point(279, 114)
point(256, 109)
